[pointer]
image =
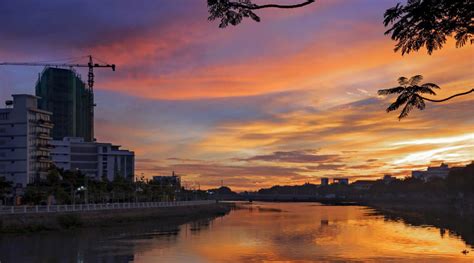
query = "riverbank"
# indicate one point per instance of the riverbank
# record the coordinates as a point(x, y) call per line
point(456, 220)
point(34, 222)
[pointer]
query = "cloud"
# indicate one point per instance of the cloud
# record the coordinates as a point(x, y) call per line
point(242, 104)
point(299, 156)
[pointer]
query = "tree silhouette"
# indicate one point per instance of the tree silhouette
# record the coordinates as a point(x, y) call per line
point(428, 22)
point(232, 12)
point(410, 90)
point(5, 187)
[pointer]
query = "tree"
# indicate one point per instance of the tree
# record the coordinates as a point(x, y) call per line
point(462, 179)
point(410, 90)
point(232, 12)
point(5, 187)
point(426, 23)
point(429, 22)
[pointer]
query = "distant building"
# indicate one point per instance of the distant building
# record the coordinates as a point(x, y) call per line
point(63, 93)
point(95, 159)
point(363, 185)
point(25, 141)
point(340, 180)
point(324, 181)
point(172, 181)
point(432, 172)
point(387, 179)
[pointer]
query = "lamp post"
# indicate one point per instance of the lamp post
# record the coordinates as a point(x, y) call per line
point(83, 188)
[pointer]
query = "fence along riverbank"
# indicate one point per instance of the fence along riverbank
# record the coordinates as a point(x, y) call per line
point(27, 219)
point(25, 209)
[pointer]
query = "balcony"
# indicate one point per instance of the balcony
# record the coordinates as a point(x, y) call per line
point(45, 159)
point(45, 123)
point(44, 146)
point(43, 135)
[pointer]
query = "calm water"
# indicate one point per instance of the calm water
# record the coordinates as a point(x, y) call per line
point(301, 232)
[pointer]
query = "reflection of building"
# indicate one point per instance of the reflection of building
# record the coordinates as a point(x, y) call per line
point(64, 94)
point(172, 181)
point(95, 159)
point(363, 185)
point(432, 172)
point(340, 180)
point(324, 181)
point(24, 140)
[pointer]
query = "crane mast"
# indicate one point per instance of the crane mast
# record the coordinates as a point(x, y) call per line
point(90, 76)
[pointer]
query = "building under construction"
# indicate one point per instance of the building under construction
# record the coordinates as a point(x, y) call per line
point(63, 93)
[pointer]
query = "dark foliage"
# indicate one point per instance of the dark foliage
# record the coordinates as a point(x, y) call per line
point(232, 12)
point(462, 180)
point(74, 187)
point(5, 187)
point(429, 22)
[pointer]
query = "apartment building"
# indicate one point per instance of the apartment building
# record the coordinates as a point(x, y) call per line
point(25, 142)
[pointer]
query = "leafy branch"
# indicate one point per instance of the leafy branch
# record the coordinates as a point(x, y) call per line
point(410, 90)
point(232, 12)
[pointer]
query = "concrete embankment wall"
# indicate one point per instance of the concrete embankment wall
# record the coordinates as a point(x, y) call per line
point(64, 220)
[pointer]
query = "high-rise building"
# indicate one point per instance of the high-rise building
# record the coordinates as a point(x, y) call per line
point(63, 93)
point(25, 141)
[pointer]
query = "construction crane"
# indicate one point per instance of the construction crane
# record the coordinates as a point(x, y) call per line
point(91, 65)
point(90, 76)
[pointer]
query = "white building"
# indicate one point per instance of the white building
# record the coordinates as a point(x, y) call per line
point(94, 159)
point(432, 172)
point(24, 140)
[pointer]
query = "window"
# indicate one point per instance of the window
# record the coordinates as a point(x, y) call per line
point(4, 115)
point(76, 149)
point(84, 158)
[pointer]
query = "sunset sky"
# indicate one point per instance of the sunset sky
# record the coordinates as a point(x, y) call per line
point(284, 101)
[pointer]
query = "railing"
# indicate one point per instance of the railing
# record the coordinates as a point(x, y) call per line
point(25, 209)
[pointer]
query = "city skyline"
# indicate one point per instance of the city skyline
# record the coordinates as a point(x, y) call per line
point(215, 104)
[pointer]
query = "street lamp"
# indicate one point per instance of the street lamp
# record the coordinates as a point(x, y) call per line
point(83, 188)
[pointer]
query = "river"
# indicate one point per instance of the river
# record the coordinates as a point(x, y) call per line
point(257, 232)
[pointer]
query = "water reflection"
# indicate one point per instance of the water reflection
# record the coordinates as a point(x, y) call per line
point(111, 244)
point(448, 222)
point(253, 233)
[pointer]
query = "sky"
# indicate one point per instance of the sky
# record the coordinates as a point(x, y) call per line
point(281, 102)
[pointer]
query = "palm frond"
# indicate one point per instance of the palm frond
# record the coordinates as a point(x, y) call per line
point(415, 80)
point(402, 81)
point(402, 99)
point(420, 103)
point(423, 89)
point(431, 85)
point(408, 107)
point(395, 90)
